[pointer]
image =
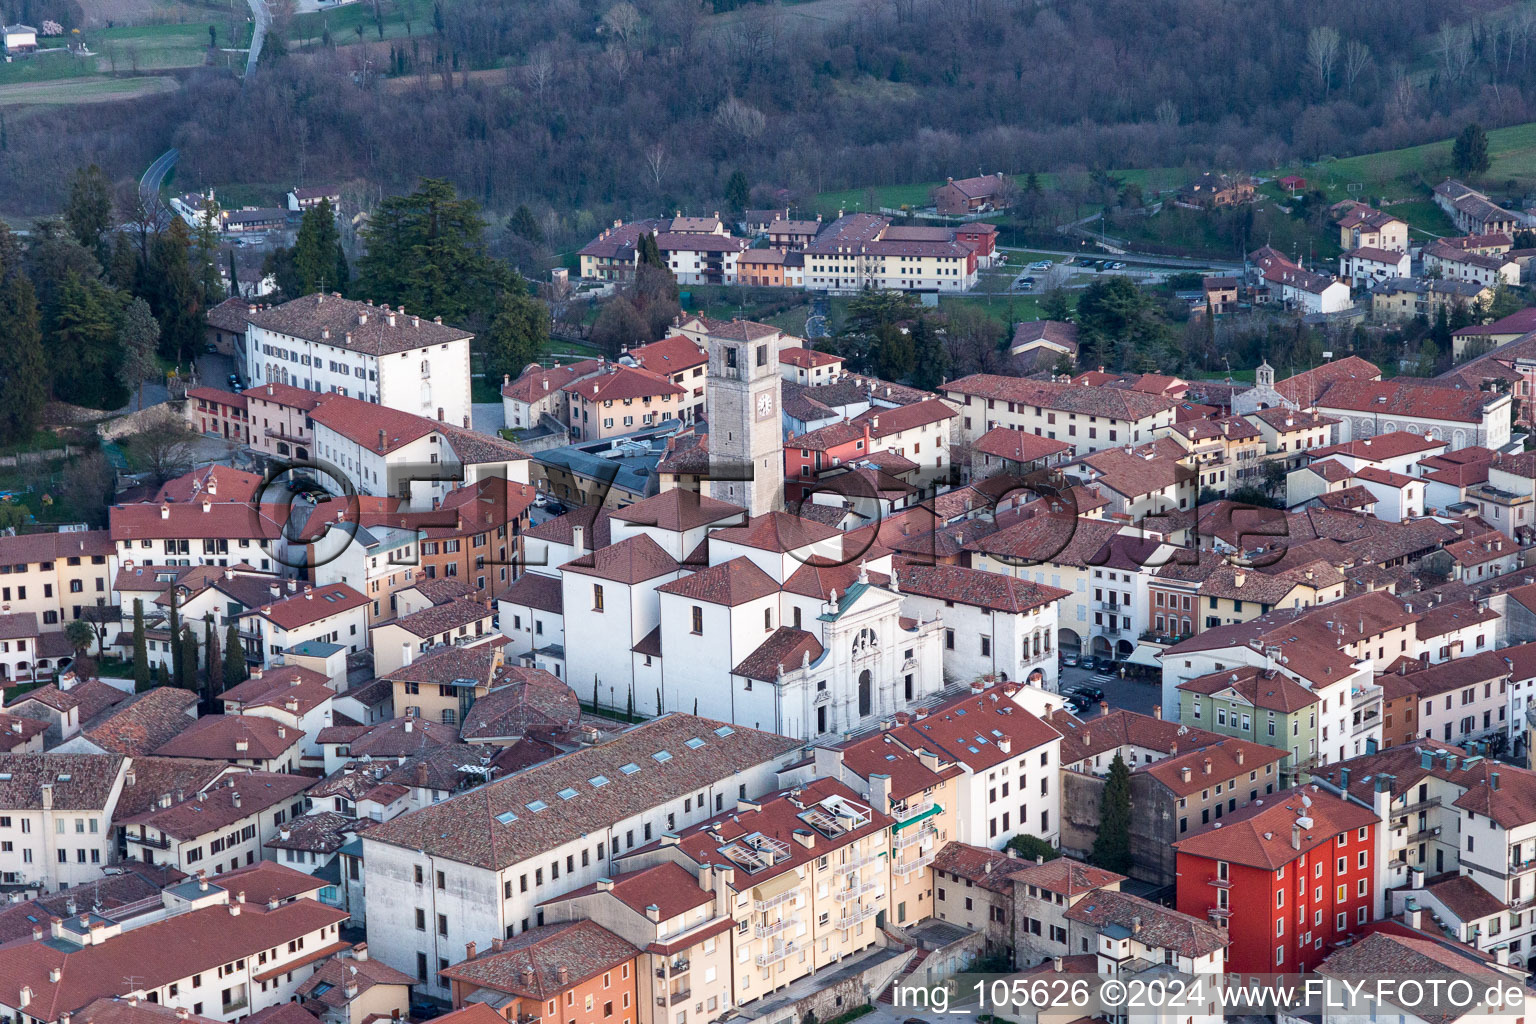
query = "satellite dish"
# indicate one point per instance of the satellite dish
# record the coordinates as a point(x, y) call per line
point(1306, 801)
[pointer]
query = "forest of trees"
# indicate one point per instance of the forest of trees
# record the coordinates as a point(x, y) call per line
point(627, 107)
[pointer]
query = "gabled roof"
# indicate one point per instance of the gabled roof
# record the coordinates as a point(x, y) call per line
point(669, 355)
point(785, 649)
point(232, 738)
point(622, 382)
point(1150, 924)
point(990, 590)
point(311, 606)
point(1260, 834)
point(679, 510)
point(356, 326)
point(1066, 876)
point(632, 560)
point(731, 583)
point(581, 950)
point(775, 531)
point(1018, 445)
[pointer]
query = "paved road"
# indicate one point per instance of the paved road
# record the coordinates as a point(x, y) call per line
point(149, 184)
point(1132, 694)
point(1167, 261)
point(263, 19)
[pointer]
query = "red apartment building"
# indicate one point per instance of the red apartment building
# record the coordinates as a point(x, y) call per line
point(810, 453)
point(1301, 866)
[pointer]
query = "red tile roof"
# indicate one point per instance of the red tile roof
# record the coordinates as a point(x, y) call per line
point(885, 422)
point(622, 382)
point(582, 950)
point(1416, 399)
point(987, 868)
point(215, 808)
point(1066, 876)
point(199, 520)
point(775, 531)
point(1150, 924)
point(876, 753)
point(990, 590)
point(1393, 444)
point(1260, 834)
point(232, 738)
point(1018, 445)
point(785, 649)
point(679, 510)
point(669, 355)
point(1113, 403)
point(1227, 758)
point(375, 427)
point(667, 886)
point(1305, 388)
point(731, 583)
point(154, 954)
point(632, 560)
point(965, 730)
point(809, 358)
point(313, 605)
point(357, 326)
point(222, 483)
point(537, 382)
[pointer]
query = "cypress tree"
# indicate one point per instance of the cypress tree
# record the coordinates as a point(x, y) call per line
point(213, 661)
point(594, 692)
point(140, 651)
point(188, 660)
point(1112, 846)
point(234, 657)
point(24, 369)
point(175, 622)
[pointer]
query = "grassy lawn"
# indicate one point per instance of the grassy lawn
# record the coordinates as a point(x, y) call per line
point(1424, 217)
point(1151, 179)
point(91, 89)
point(45, 66)
point(1405, 173)
point(1005, 309)
point(41, 440)
point(343, 23)
point(154, 47)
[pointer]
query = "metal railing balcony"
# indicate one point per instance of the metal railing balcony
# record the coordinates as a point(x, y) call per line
point(782, 898)
point(912, 810)
point(902, 840)
point(854, 892)
point(915, 864)
point(775, 955)
point(768, 931)
point(852, 918)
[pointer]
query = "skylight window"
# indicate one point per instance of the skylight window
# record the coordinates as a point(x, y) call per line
point(567, 794)
point(598, 781)
point(694, 744)
point(537, 805)
point(630, 769)
point(662, 756)
point(506, 817)
point(725, 731)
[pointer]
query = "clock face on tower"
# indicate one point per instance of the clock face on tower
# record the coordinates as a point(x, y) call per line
point(764, 405)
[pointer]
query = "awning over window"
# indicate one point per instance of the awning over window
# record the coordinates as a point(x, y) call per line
point(1146, 654)
point(769, 888)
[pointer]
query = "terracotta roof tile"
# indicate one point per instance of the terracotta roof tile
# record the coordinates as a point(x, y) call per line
point(785, 648)
point(1260, 834)
point(581, 949)
point(679, 510)
point(339, 322)
point(632, 560)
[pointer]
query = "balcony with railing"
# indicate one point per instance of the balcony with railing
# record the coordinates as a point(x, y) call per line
point(773, 956)
point(912, 837)
point(1519, 866)
point(160, 843)
point(854, 892)
point(854, 916)
point(1427, 832)
point(763, 906)
point(1152, 636)
point(1104, 605)
point(676, 967)
point(912, 810)
point(768, 931)
point(915, 864)
point(1221, 883)
point(673, 998)
point(859, 861)
point(1219, 913)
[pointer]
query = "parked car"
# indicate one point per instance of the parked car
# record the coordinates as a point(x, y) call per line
point(1088, 662)
point(1069, 660)
point(1092, 693)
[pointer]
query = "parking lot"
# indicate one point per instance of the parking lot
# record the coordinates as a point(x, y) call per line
point(1133, 693)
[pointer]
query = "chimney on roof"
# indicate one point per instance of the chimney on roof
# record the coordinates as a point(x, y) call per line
point(1493, 780)
point(381, 439)
point(469, 951)
point(526, 976)
point(165, 511)
point(421, 776)
point(1205, 768)
point(234, 798)
point(1295, 836)
point(1184, 773)
point(564, 974)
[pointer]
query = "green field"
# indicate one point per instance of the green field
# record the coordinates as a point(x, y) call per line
point(90, 89)
point(343, 23)
point(1406, 173)
point(918, 195)
point(45, 66)
point(156, 47)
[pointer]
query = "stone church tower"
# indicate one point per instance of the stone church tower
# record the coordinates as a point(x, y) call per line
point(746, 436)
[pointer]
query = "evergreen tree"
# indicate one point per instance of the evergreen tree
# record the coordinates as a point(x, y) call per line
point(213, 661)
point(140, 652)
point(737, 192)
point(1056, 305)
point(318, 260)
point(1030, 847)
point(205, 255)
point(594, 692)
point(88, 210)
point(650, 254)
point(930, 360)
point(186, 662)
point(175, 631)
point(1112, 846)
point(629, 709)
point(23, 366)
point(154, 675)
point(426, 251)
point(123, 264)
point(173, 292)
point(138, 336)
point(234, 657)
point(1469, 154)
point(518, 332)
point(234, 275)
point(86, 359)
point(525, 225)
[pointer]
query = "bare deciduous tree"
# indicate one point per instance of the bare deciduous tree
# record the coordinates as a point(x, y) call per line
point(539, 72)
point(1167, 113)
point(738, 123)
point(656, 162)
point(622, 22)
point(1322, 54)
point(1357, 57)
point(1453, 45)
